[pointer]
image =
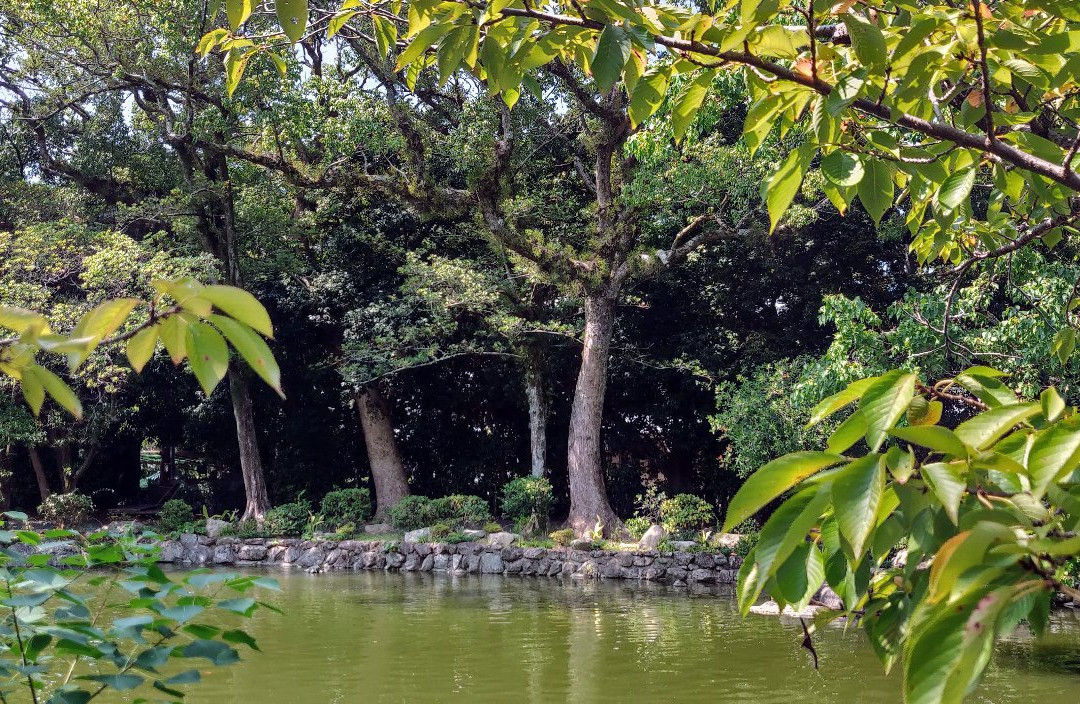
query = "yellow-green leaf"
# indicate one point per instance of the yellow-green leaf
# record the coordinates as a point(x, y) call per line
point(140, 348)
point(59, 390)
point(252, 348)
point(238, 11)
point(208, 355)
point(241, 305)
point(772, 480)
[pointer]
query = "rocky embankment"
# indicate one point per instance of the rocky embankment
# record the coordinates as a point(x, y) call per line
point(496, 554)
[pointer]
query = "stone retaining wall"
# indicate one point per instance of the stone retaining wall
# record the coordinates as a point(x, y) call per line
point(463, 558)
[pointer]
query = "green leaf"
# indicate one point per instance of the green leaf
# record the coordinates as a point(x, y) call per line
point(1052, 404)
point(423, 40)
point(292, 16)
point(962, 552)
point(212, 650)
point(956, 189)
point(867, 40)
point(1054, 455)
point(772, 480)
point(843, 168)
point(856, 494)
point(252, 348)
point(612, 53)
point(935, 437)
point(173, 333)
point(984, 429)
point(238, 11)
point(59, 390)
point(948, 484)
point(120, 683)
point(208, 355)
point(884, 404)
point(99, 323)
point(689, 102)
point(785, 531)
point(1064, 343)
point(33, 390)
point(827, 406)
point(385, 34)
point(240, 305)
point(780, 188)
point(876, 189)
point(140, 348)
point(849, 433)
point(648, 95)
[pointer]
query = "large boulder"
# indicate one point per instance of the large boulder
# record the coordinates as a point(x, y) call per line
point(214, 527)
point(378, 528)
point(502, 539)
point(491, 563)
point(652, 538)
point(725, 540)
point(420, 535)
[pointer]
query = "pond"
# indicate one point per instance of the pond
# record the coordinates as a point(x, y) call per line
point(376, 637)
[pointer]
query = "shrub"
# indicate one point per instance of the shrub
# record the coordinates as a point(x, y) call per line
point(175, 515)
point(637, 526)
point(685, 514)
point(342, 506)
point(66, 509)
point(746, 543)
point(647, 505)
point(441, 531)
point(410, 513)
point(562, 537)
point(527, 496)
point(492, 527)
point(459, 510)
point(244, 529)
point(288, 519)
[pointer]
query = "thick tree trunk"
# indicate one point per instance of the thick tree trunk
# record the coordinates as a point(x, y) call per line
point(538, 417)
point(588, 497)
point(258, 500)
point(387, 471)
point(39, 472)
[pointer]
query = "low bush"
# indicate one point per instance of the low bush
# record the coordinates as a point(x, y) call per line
point(562, 537)
point(410, 513)
point(685, 514)
point(746, 543)
point(342, 506)
point(176, 515)
point(288, 519)
point(243, 529)
point(492, 527)
point(460, 510)
point(637, 526)
point(456, 510)
point(525, 497)
point(441, 531)
point(66, 510)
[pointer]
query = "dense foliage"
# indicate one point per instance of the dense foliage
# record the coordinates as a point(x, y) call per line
point(105, 618)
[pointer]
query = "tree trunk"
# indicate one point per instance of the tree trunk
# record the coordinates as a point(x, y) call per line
point(538, 415)
point(39, 472)
point(588, 497)
point(387, 471)
point(258, 500)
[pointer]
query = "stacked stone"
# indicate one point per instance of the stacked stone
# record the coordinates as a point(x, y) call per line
point(461, 558)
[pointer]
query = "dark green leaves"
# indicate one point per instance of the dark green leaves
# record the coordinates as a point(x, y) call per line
point(611, 54)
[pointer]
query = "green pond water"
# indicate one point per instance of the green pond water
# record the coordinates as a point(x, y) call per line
point(377, 637)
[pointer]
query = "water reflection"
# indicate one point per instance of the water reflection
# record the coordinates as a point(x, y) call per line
point(377, 637)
